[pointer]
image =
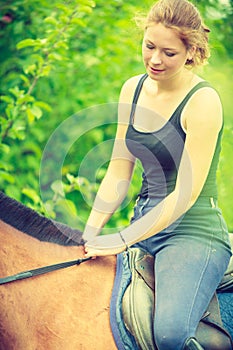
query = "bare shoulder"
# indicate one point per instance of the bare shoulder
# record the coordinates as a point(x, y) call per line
point(126, 99)
point(204, 109)
point(128, 89)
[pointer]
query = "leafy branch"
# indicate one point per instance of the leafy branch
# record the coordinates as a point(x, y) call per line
point(44, 54)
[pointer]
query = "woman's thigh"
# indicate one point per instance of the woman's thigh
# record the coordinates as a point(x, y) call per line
point(187, 273)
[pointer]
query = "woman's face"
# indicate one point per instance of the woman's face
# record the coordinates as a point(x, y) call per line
point(164, 54)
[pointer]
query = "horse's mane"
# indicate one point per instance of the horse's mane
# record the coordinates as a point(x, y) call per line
point(30, 222)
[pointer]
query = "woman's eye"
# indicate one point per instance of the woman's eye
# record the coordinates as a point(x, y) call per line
point(150, 47)
point(170, 54)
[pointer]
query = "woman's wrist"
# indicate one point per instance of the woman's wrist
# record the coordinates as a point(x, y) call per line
point(90, 232)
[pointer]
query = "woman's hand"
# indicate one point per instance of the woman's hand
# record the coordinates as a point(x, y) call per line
point(110, 244)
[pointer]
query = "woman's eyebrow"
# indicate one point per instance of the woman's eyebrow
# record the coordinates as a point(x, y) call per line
point(164, 48)
point(170, 48)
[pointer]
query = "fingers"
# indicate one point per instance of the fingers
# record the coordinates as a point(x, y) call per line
point(105, 245)
point(89, 252)
point(92, 252)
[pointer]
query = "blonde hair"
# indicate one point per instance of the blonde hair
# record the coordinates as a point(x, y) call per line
point(185, 19)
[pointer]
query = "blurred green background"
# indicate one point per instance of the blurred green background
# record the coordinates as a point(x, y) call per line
point(64, 58)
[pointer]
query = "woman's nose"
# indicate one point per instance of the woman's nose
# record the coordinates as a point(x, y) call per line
point(156, 58)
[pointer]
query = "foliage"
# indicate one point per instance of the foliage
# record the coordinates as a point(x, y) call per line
point(65, 58)
point(41, 55)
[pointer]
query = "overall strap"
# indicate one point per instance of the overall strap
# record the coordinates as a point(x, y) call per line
point(136, 95)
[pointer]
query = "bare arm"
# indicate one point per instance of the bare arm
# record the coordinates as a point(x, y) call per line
point(203, 121)
point(114, 186)
point(112, 190)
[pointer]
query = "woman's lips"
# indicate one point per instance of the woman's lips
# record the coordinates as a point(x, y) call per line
point(156, 70)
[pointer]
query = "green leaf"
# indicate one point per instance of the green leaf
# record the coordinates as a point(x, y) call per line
point(13, 191)
point(43, 105)
point(12, 112)
point(36, 111)
point(67, 205)
point(17, 131)
point(85, 9)
point(7, 177)
point(26, 43)
point(38, 58)
point(4, 166)
point(32, 194)
point(41, 42)
point(25, 99)
point(25, 79)
point(64, 8)
point(90, 3)
point(18, 134)
point(30, 115)
point(55, 56)
point(31, 69)
point(45, 71)
point(4, 148)
point(3, 121)
point(57, 187)
point(62, 45)
point(6, 99)
point(79, 22)
point(50, 20)
point(17, 92)
point(70, 177)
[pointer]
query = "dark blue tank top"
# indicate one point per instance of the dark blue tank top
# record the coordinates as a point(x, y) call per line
point(160, 151)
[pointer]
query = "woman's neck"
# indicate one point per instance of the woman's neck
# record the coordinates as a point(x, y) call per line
point(182, 81)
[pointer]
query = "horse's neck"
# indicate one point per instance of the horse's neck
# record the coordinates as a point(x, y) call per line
point(20, 250)
point(60, 304)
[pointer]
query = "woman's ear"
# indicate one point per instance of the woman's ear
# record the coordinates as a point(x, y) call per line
point(191, 53)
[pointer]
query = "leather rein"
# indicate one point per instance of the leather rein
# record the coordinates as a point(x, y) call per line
point(41, 271)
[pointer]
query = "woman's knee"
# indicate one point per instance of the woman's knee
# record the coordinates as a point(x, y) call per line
point(169, 336)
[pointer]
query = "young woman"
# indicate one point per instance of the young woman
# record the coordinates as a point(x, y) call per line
point(171, 120)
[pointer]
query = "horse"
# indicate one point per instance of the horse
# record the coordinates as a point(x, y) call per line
point(66, 309)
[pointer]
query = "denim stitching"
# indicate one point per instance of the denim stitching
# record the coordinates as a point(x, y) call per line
point(199, 283)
